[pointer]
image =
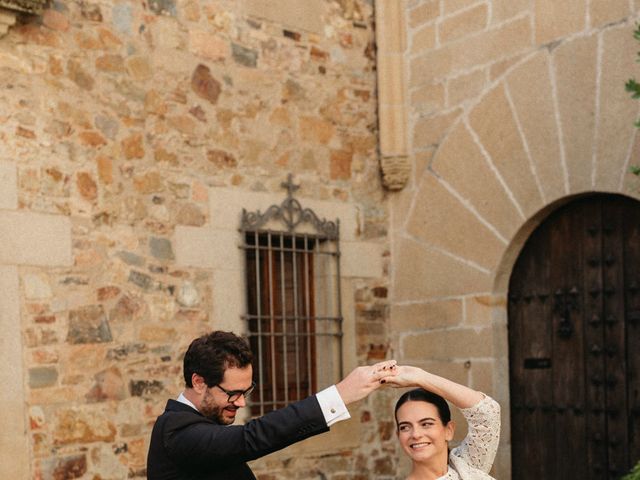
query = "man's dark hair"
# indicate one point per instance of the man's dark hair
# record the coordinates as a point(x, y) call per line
point(211, 354)
point(422, 395)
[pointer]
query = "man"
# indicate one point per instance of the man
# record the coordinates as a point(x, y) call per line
point(194, 439)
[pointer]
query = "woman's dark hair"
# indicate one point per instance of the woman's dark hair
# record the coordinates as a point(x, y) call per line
point(422, 395)
point(211, 354)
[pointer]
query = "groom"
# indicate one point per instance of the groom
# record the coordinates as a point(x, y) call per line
point(193, 439)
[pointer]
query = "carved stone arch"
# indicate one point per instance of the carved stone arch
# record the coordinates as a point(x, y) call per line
point(558, 123)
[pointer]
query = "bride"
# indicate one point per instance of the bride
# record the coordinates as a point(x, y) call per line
point(425, 428)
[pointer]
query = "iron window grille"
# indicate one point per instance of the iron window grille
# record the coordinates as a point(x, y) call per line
point(294, 315)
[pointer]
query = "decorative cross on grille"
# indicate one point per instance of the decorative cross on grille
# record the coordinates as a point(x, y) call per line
point(291, 213)
point(289, 186)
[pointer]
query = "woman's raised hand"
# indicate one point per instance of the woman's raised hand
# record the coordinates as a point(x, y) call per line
point(406, 376)
point(460, 395)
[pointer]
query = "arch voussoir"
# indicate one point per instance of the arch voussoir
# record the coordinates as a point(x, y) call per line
point(497, 132)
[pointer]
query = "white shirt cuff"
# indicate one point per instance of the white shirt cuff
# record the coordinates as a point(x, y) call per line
point(333, 408)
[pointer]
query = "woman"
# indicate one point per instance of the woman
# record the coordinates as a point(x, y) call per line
point(424, 427)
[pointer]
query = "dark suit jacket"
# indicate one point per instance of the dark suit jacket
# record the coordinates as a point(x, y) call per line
point(187, 446)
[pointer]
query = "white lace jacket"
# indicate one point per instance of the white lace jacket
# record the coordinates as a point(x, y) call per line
point(473, 458)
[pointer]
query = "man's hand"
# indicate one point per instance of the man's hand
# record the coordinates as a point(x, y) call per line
point(364, 380)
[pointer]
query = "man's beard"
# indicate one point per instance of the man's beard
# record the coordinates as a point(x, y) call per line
point(215, 412)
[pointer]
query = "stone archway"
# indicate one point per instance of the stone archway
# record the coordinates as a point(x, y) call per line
point(557, 123)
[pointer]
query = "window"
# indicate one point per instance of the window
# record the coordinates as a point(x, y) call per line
point(293, 317)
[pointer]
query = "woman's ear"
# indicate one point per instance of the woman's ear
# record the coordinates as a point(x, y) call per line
point(450, 430)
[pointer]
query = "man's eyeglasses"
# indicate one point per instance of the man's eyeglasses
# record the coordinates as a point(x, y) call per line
point(234, 395)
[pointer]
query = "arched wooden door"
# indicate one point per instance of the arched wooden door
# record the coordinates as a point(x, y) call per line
point(574, 343)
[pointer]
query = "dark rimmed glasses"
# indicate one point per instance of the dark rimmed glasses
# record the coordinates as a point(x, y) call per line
point(234, 395)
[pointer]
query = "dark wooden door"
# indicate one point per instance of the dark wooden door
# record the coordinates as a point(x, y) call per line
point(574, 343)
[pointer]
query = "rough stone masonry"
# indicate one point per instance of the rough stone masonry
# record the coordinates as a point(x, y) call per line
point(117, 119)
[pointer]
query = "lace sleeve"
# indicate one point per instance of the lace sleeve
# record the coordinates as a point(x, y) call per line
point(479, 447)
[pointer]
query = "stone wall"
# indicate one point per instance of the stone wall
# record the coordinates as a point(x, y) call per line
point(514, 106)
point(123, 125)
point(130, 132)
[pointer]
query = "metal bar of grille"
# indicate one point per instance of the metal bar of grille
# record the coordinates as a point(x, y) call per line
point(271, 311)
point(307, 312)
point(259, 321)
point(296, 322)
point(283, 294)
point(339, 300)
point(274, 374)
